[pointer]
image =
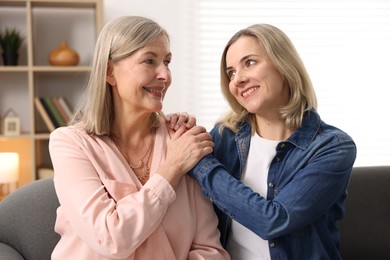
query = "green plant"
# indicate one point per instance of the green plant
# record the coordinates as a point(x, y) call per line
point(11, 40)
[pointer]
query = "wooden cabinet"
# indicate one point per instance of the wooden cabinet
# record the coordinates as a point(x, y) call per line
point(44, 24)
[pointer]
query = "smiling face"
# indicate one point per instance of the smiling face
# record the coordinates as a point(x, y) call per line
point(141, 80)
point(254, 81)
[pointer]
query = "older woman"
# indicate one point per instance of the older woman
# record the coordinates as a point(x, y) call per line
point(119, 168)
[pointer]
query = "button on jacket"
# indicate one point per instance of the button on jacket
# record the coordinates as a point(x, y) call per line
point(307, 185)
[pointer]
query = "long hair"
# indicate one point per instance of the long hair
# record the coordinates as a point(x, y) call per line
point(287, 61)
point(119, 39)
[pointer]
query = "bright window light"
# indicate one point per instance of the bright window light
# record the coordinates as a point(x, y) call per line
point(344, 44)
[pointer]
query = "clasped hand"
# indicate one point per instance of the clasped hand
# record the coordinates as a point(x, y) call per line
point(189, 143)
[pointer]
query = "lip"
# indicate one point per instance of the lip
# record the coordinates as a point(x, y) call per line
point(155, 91)
point(249, 91)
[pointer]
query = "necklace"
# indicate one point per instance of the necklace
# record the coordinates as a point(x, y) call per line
point(144, 165)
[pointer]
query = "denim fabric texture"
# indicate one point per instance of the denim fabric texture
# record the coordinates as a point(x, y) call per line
point(307, 186)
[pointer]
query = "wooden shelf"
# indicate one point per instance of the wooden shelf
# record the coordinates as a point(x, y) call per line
point(44, 24)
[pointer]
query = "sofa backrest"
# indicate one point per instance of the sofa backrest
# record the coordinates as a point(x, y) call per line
point(27, 218)
point(365, 229)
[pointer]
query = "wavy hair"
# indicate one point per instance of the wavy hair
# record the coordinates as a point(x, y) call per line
point(287, 61)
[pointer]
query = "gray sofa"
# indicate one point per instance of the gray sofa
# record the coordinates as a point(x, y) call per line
point(27, 218)
point(365, 229)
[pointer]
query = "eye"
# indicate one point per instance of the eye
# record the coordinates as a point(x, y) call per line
point(230, 74)
point(249, 63)
point(167, 62)
point(149, 61)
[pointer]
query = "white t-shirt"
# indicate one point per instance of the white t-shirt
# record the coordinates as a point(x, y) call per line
point(243, 244)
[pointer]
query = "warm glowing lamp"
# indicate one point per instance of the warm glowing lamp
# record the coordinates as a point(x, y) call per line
point(9, 171)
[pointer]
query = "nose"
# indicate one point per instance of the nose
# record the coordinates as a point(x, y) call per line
point(163, 73)
point(240, 78)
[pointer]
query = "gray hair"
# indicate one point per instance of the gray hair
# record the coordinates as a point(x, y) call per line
point(119, 39)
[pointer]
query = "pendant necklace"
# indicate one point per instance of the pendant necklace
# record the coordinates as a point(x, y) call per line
point(144, 165)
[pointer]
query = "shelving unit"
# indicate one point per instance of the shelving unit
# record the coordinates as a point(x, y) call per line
point(44, 24)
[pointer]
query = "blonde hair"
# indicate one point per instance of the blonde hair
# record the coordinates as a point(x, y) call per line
point(287, 61)
point(119, 39)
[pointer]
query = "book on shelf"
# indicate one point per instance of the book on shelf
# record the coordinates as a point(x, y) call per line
point(56, 113)
point(60, 108)
point(65, 105)
point(49, 112)
point(44, 115)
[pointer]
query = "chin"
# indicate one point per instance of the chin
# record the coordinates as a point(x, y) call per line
point(157, 108)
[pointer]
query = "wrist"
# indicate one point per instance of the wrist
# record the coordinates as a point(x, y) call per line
point(170, 174)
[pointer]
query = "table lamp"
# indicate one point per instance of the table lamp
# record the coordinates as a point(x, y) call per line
point(9, 171)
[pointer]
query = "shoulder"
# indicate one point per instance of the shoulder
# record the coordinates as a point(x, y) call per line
point(334, 131)
point(330, 139)
point(68, 132)
point(315, 131)
point(329, 135)
point(74, 134)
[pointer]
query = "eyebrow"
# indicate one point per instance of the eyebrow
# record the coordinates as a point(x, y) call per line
point(241, 60)
point(155, 54)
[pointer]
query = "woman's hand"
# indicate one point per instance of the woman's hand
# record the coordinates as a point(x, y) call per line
point(176, 120)
point(184, 152)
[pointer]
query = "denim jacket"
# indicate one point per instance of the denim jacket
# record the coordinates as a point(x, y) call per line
point(307, 185)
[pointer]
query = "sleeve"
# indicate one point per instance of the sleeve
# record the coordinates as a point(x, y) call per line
point(111, 228)
point(314, 189)
point(206, 243)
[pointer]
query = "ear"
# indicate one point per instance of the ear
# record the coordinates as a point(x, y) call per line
point(110, 74)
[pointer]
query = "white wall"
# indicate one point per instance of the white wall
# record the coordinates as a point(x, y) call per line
point(169, 14)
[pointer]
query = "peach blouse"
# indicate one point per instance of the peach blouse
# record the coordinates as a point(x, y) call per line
point(106, 213)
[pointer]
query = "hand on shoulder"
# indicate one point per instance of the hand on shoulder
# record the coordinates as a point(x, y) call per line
point(184, 151)
point(177, 120)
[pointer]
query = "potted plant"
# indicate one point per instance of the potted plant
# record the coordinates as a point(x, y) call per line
point(10, 42)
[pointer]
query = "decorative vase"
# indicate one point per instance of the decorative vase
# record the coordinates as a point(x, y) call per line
point(10, 59)
point(63, 56)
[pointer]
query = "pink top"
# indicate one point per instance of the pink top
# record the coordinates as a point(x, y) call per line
point(106, 213)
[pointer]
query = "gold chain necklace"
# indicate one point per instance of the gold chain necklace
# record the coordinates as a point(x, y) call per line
point(143, 165)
